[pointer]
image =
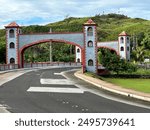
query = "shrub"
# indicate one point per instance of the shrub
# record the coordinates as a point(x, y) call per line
point(114, 63)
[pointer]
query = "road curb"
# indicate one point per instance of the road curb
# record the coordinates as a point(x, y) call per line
point(3, 109)
point(129, 94)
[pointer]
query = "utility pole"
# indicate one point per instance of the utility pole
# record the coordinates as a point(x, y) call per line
point(50, 49)
point(134, 41)
point(70, 50)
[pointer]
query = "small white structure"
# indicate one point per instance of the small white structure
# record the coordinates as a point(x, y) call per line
point(124, 45)
point(146, 60)
point(78, 54)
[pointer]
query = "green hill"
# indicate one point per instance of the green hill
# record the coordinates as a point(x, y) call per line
point(109, 26)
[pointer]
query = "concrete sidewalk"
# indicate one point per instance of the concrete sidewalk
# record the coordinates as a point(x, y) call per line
point(113, 88)
point(6, 76)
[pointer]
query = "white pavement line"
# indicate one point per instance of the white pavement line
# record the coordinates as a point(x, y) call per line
point(83, 88)
point(56, 81)
point(55, 90)
point(57, 74)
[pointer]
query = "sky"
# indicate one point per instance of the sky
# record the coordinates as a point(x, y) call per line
point(41, 12)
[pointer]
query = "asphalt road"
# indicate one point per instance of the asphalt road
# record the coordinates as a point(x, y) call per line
point(48, 91)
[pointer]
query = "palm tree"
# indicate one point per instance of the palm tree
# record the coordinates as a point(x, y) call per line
point(139, 54)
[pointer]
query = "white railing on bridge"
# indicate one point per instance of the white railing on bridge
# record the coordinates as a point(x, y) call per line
point(8, 66)
point(45, 64)
point(4, 67)
point(101, 67)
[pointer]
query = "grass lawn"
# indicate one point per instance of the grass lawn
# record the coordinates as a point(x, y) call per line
point(142, 85)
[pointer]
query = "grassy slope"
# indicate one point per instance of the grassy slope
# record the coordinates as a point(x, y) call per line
point(108, 27)
point(142, 85)
point(68, 25)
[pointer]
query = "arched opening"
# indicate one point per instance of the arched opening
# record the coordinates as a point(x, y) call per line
point(128, 40)
point(90, 31)
point(122, 40)
point(67, 54)
point(11, 33)
point(78, 60)
point(90, 44)
point(122, 48)
point(78, 50)
point(104, 55)
point(90, 62)
point(12, 61)
point(11, 45)
point(128, 48)
point(105, 51)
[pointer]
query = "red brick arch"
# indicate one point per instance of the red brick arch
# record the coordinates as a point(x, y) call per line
point(112, 49)
point(22, 49)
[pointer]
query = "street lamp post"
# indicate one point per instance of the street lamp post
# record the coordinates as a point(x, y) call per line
point(50, 49)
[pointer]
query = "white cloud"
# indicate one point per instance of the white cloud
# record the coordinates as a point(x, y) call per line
point(44, 11)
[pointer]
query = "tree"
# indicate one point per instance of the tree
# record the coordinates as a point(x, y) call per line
point(2, 53)
point(114, 63)
point(142, 49)
point(146, 41)
point(138, 54)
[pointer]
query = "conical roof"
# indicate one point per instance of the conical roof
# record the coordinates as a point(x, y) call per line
point(90, 22)
point(123, 34)
point(12, 24)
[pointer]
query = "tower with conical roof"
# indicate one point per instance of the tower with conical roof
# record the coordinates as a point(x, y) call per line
point(12, 50)
point(90, 46)
point(124, 45)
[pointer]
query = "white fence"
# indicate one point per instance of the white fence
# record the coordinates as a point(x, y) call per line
point(8, 66)
point(44, 64)
point(4, 67)
point(144, 65)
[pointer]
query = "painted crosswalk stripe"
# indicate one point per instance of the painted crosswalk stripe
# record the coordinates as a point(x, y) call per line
point(55, 90)
point(56, 81)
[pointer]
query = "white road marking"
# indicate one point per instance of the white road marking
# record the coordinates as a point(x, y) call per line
point(57, 73)
point(55, 90)
point(76, 106)
point(56, 81)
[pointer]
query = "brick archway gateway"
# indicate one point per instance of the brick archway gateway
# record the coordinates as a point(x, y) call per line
point(85, 40)
point(21, 51)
